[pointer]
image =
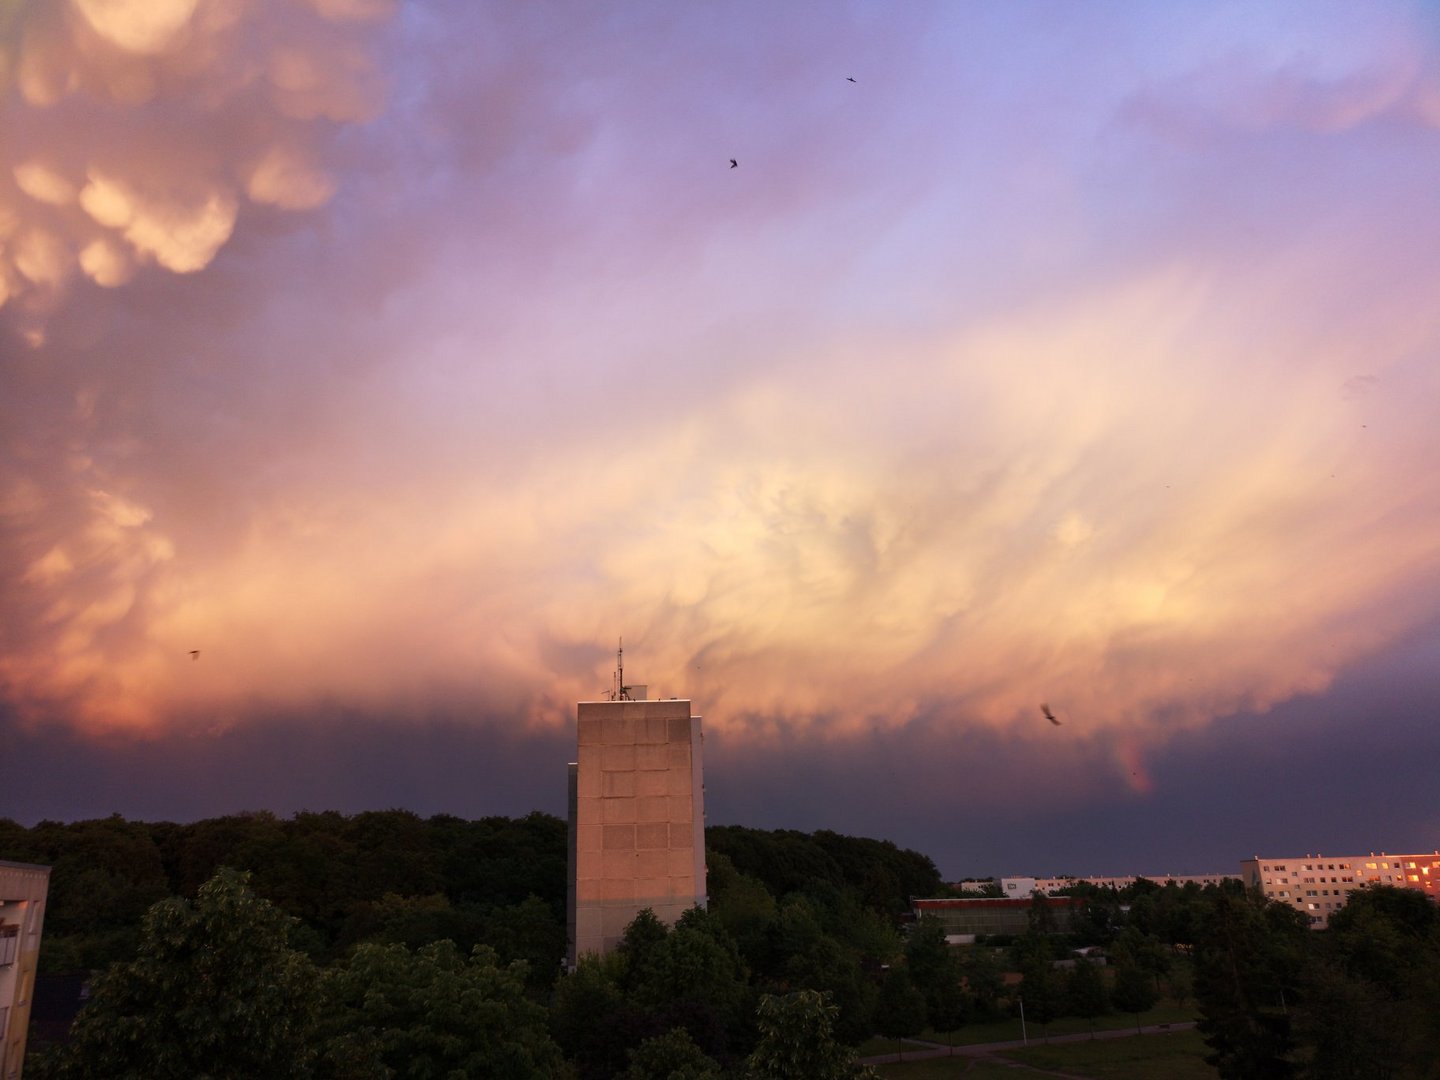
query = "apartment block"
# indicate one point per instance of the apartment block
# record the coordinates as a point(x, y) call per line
point(637, 818)
point(23, 889)
point(1024, 886)
point(1320, 885)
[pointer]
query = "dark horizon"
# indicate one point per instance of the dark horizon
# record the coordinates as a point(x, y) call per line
point(1219, 795)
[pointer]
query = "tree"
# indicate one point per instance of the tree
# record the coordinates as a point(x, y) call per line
point(1133, 992)
point(1041, 990)
point(1370, 1004)
point(434, 1013)
point(672, 1056)
point(591, 1019)
point(215, 991)
point(1247, 964)
point(797, 1041)
point(900, 1012)
point(1146, 950)
point(814, 960)
point(985, 979)
point(1086, 992)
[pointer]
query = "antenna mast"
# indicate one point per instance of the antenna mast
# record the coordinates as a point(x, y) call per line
point(620, 692)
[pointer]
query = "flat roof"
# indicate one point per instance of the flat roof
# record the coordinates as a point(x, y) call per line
point(23, 865)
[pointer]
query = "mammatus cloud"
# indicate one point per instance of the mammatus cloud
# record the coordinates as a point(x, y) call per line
point(1075, 513)
point(137, 130)
point(1165, 471)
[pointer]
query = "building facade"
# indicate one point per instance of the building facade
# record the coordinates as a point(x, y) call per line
point(637, 818)
point(1319, 885)
point(1055, 885)
point(23, 889)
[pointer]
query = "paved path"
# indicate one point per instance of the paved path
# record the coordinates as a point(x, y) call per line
point(922, 1050)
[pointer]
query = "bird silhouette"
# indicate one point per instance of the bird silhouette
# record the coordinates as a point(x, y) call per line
point(734, 164)
point(194, 654)
point(1049, 715)
point(849, 79)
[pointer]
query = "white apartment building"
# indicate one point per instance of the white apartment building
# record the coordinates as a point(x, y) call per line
point(1320, 885)
point(23, 889)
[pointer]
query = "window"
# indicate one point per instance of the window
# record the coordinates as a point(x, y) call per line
point(9, 941)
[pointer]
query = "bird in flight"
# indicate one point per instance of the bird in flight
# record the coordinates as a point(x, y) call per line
point(849, 79)
point(734, 164)
point(194, 654)
point(1049, 715)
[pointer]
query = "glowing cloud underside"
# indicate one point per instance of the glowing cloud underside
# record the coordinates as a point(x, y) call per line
point(1168, 473)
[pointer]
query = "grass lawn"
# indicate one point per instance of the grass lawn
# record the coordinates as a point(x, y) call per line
point(1167, 1012)
point(955, 1069)
point(1177, 1056)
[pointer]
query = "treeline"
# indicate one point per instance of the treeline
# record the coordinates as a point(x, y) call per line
point(384, 945)
point(387, 876)
point(369, 921)
point(1275, 999)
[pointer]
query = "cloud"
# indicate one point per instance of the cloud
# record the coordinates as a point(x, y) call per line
point(951, 404)
point(136, 130)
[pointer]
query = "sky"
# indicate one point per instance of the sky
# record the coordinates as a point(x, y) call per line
point(369, 370)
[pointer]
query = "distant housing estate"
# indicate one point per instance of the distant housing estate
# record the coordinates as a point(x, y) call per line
point(1050, 886)
point(1319, 885)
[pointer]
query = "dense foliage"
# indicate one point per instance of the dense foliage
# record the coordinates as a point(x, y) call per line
point(386, 945)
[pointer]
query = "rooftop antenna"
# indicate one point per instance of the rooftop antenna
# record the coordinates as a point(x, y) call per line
point(620, 692)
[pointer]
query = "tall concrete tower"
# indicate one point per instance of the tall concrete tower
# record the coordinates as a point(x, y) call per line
point(637, 816)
